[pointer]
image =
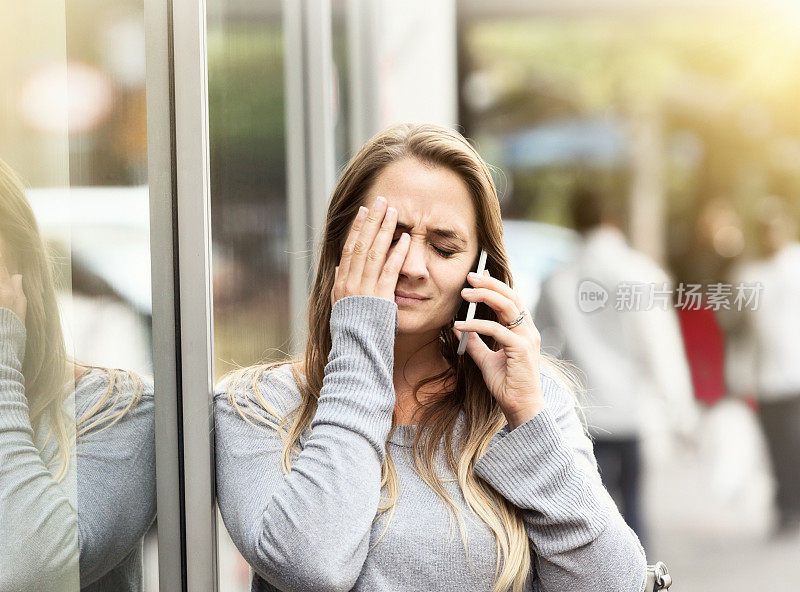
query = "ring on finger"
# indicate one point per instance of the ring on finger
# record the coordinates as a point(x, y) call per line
point(518, 320)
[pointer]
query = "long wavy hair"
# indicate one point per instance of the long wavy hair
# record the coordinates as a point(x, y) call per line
point(46, 367)
point(464, 392)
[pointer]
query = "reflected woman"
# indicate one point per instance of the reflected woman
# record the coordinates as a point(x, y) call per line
point(383, 460)
point(76, 497)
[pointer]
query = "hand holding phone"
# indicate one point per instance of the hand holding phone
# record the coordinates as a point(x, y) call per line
point(462, 343)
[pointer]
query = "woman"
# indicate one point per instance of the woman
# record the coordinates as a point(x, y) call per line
point(76, 497)
point(383, 460)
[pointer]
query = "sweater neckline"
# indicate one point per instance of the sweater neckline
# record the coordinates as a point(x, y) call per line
point(403, 434)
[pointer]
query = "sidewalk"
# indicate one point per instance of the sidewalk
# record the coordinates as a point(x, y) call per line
point(709, 513)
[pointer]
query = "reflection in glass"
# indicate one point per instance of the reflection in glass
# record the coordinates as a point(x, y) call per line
point(77, 458)
point(77, 475)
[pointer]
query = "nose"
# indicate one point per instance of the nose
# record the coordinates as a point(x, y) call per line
point(415, 266)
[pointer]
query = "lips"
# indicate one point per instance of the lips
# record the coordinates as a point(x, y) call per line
point(410, 295)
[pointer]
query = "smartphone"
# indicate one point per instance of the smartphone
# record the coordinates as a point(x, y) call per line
point(462, 343)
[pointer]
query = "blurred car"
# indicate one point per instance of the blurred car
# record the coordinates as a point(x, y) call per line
point(536, 250)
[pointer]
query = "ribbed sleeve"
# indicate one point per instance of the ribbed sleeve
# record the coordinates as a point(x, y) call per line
point(310, 529)
point(533, 468)
point(15, 414)
point(38, 523)
point(358, 389)
point(547, 468)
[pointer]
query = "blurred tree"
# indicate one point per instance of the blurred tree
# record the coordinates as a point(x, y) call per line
point(723, 86)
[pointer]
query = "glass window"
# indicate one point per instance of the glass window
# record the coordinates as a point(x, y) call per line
point(248, 204)
point(75, 318)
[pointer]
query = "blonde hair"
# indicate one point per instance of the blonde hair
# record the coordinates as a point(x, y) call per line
point(465, 390)
point(46, 366)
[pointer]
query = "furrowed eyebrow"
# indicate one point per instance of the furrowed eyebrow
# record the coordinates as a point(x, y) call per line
point(443, 232)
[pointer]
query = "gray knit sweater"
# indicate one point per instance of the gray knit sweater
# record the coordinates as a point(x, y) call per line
point(313, 529)
point(84, 531)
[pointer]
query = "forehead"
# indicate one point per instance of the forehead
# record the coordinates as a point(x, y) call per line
point(426, 195)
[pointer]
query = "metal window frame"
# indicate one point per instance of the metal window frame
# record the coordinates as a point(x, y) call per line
point(310, 143)
point(363, 23)
point(178, 169)
point(179, 173)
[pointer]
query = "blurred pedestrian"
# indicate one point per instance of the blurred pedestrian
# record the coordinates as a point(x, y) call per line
point(764, 333)
point(599, 311)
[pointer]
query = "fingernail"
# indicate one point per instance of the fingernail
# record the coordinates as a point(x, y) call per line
point(458, 324)
point(467, 291)
point(362, 213)
point(381, 199)
point(472, 274)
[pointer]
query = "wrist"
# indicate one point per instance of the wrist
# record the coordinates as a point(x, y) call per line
point(517, 417)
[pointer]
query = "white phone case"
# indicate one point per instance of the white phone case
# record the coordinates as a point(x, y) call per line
point(462, 343)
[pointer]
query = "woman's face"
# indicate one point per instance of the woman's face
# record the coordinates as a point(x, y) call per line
point(434, 206)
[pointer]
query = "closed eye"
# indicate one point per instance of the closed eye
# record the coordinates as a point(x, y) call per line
point(442, 252)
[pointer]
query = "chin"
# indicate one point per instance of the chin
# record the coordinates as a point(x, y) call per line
point(411, 323)
point(408, 323)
